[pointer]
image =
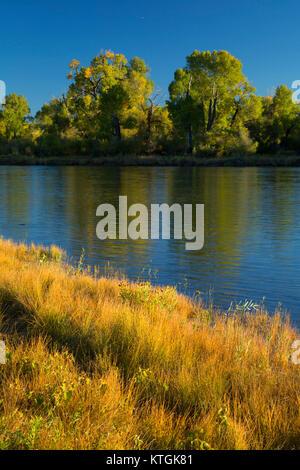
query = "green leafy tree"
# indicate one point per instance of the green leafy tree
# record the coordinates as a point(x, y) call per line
point(285, 114)
point(13, 117)
point(54, 117)
point(279, 119)
point(183, 106)
point(210, 96)
point(109, 94)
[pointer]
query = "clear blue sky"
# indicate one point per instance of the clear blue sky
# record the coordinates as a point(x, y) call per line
point(38, 39)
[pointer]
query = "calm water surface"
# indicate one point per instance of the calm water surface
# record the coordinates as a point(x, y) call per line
point(252, 225)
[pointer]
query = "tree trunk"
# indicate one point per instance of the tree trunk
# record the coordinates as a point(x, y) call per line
point(203, 114)
point(286, 138)
point(209, 116)
point(234, 116)
point(214, 111)
point(211, 113)
point(116, 126)
point(189, 127)
point(189, 139)
point(149, 125)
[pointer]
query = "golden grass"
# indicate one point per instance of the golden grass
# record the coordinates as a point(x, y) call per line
point(108, 364)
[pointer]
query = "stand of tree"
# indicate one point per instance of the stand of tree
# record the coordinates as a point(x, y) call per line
point(112, 107)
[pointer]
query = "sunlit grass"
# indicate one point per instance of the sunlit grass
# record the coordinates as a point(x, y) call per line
point(102, 363)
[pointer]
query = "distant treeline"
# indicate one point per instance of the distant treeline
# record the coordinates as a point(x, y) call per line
point(112, 107)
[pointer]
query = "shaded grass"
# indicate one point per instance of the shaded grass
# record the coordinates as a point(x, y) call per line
point(108, 364)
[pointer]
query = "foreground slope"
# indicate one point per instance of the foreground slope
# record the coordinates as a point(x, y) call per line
point(101, 363)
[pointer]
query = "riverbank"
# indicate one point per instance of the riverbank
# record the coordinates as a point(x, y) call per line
point(285, 160)
point(102, 363)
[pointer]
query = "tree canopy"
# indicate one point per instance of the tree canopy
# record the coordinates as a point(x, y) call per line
point(112, 106)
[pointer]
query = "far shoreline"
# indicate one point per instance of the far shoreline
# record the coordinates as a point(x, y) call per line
point(283, 160)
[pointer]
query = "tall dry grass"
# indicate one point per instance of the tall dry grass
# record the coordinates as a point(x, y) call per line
point(107, 364)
